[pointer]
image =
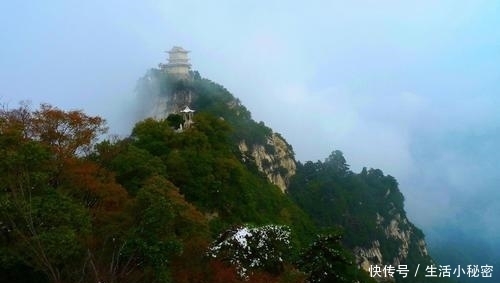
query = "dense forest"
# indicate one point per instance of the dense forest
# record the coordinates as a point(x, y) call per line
point(171, 205)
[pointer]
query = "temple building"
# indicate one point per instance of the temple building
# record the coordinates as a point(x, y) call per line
point(178, 98)
point(178, 63)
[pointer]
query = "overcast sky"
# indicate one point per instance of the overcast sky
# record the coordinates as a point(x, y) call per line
point(410, 87)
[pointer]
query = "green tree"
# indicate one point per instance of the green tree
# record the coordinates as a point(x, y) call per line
point(326, 260)
point(133, 166)
point(337, 163)
point(153, 241)
point(153, 136)
point(253, 248)
point(175, 120)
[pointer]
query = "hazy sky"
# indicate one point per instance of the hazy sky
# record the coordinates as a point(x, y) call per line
point(410, 87)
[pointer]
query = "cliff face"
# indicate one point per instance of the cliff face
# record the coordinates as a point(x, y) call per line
point(275, 159)
point(395, 240)
point(399, 232)
point(365, 257)
point(162, 94)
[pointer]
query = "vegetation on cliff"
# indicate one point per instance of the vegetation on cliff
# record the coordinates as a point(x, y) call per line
point(164, 205)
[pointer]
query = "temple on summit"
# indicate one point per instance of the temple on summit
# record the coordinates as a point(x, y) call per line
point(178, 63)
point(173, 100)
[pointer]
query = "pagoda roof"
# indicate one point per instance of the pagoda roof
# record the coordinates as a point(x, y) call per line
point(178, 49)
point(187, 110)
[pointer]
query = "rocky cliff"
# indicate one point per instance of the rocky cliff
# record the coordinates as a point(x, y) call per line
point(369, 210)
point(274, 158)
point(161, 94)
point(398, 231)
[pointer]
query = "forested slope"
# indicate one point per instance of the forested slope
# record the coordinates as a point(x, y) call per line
point(220, 201)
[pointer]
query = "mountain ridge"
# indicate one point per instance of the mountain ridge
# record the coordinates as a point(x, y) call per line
point(396, 240)
point(209, 197)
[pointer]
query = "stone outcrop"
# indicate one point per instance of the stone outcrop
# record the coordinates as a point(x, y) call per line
point(170, 103)
point(368, 256)
point(274, 159)
point(395, 229)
